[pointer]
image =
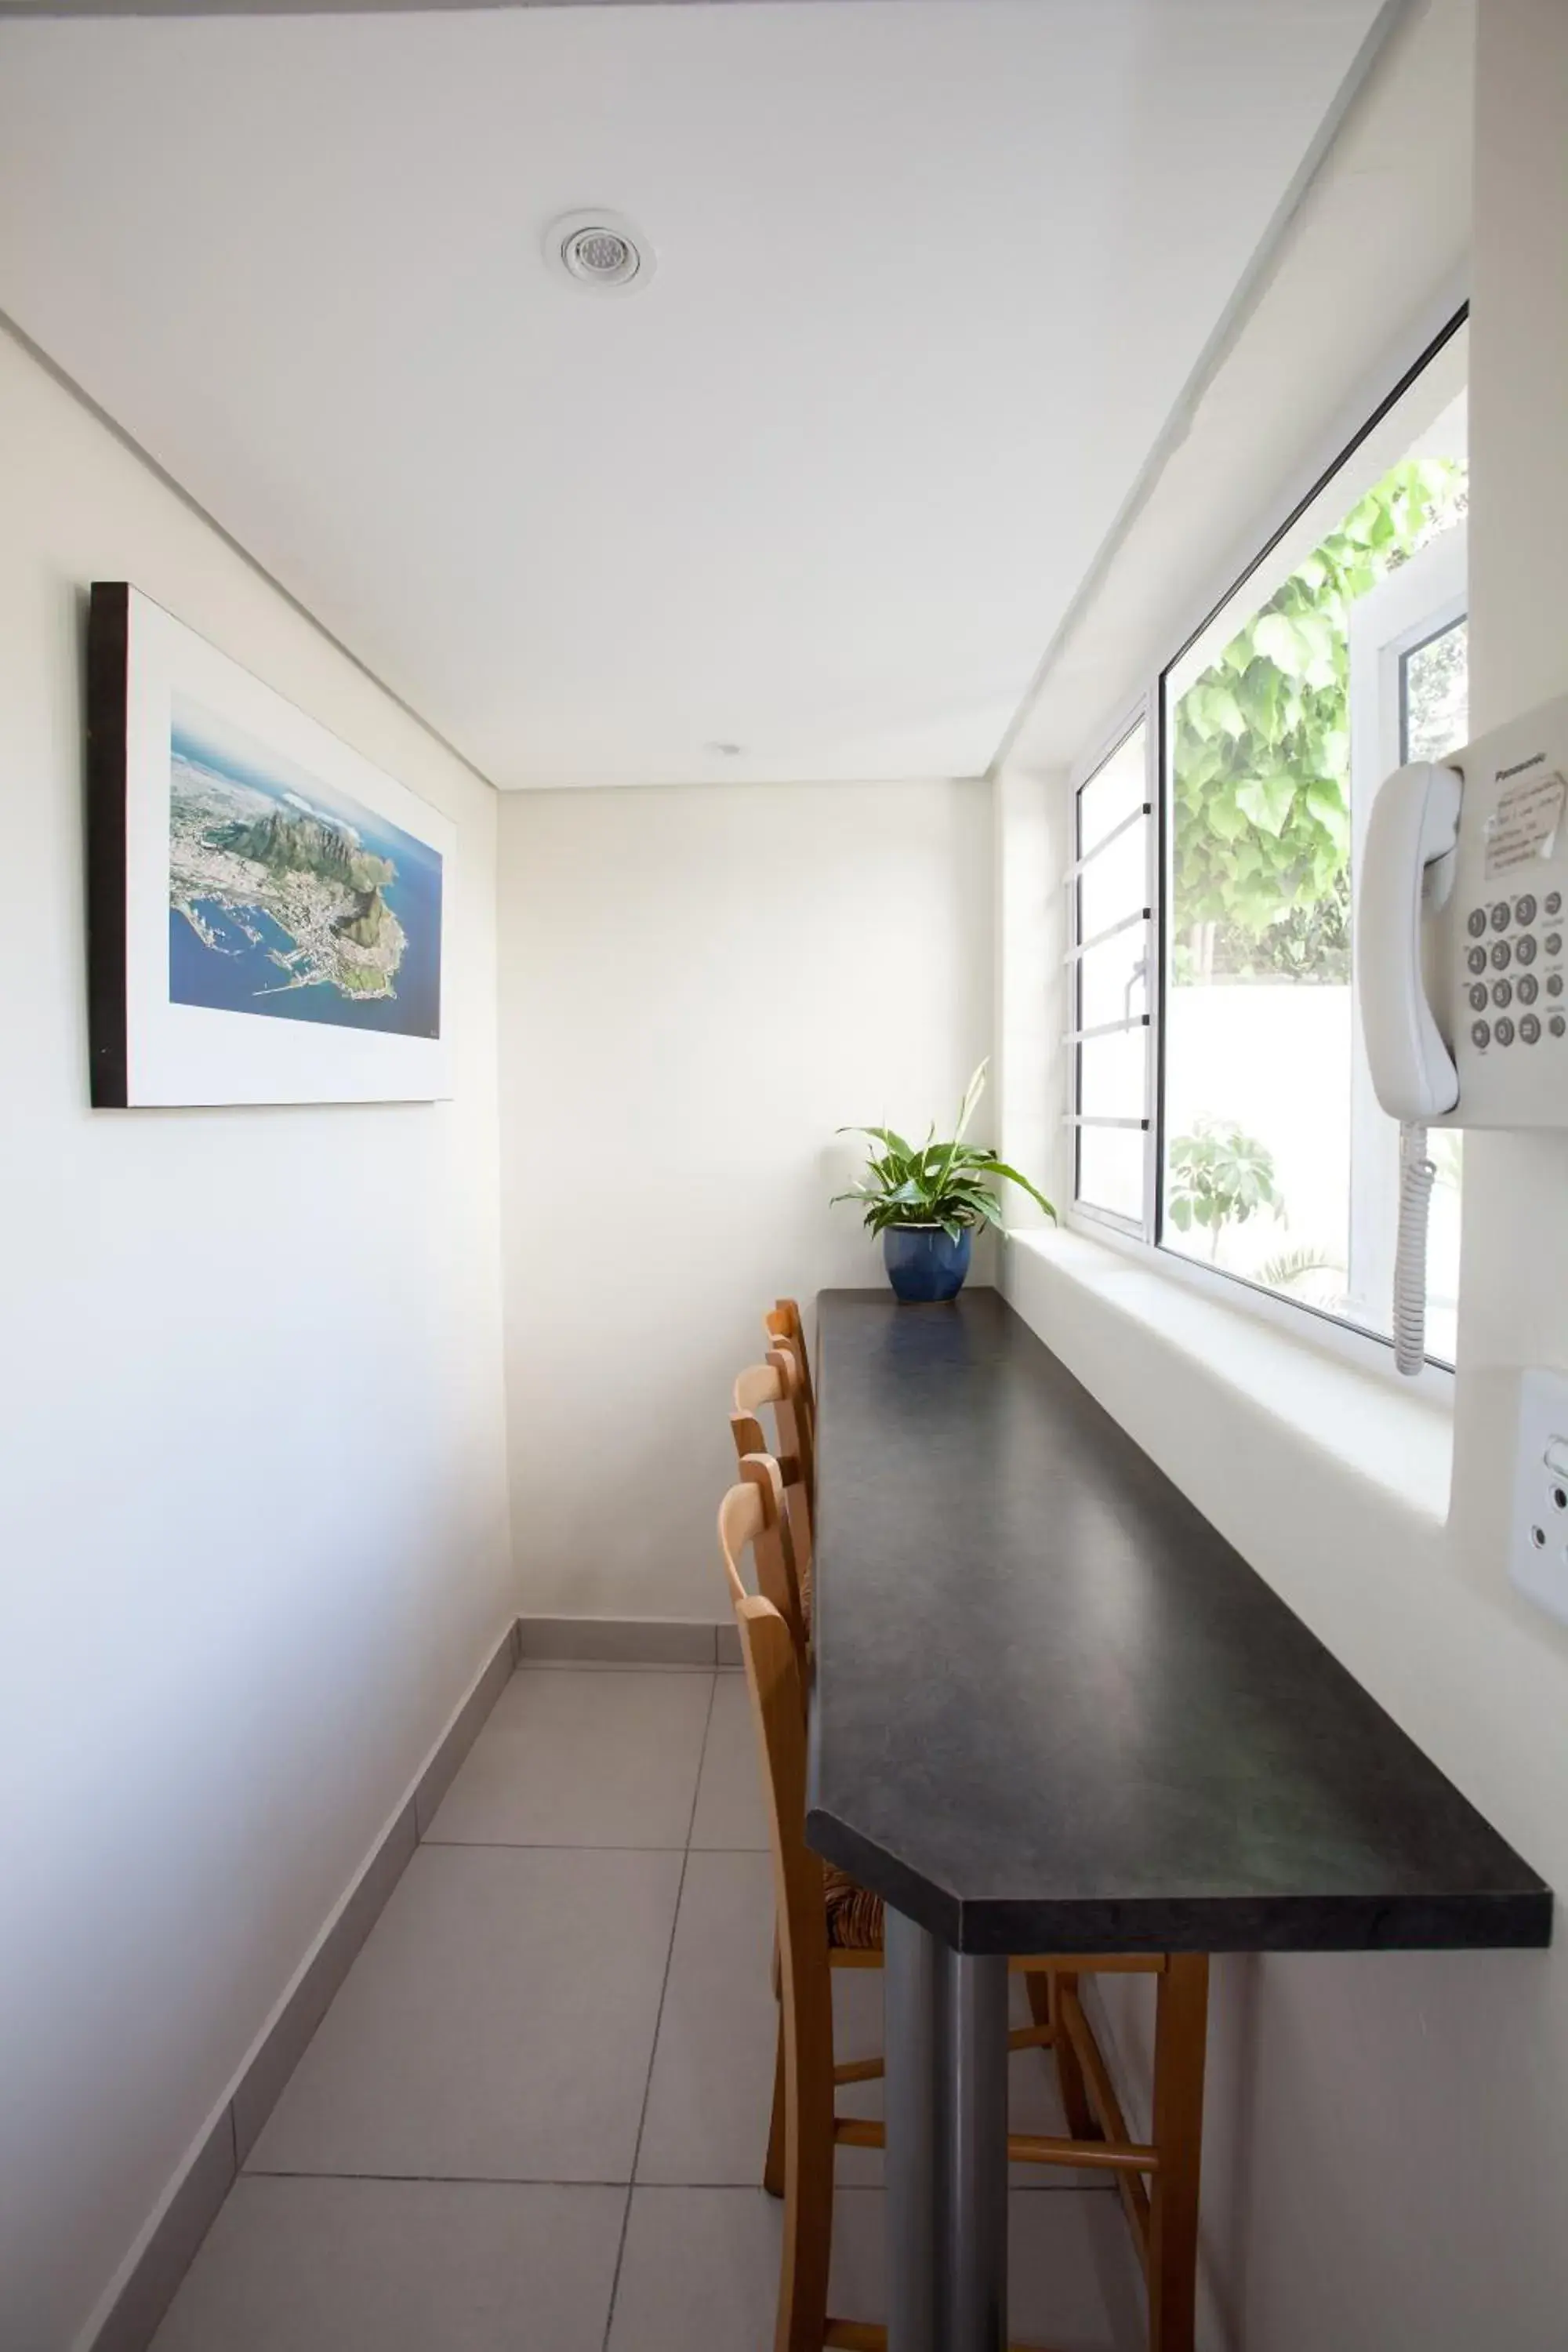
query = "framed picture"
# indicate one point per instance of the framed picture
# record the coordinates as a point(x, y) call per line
point(268, 913)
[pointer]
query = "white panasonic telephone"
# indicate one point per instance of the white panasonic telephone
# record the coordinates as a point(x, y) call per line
point(1461, 933)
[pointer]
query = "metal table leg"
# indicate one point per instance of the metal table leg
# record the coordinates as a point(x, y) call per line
point(945, 2037)
point(910, 2042)
point(972, 2152)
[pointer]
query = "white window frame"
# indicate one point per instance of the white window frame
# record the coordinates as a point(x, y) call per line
point(1140, 714)
point(1139, 1238)
point(1421, 601)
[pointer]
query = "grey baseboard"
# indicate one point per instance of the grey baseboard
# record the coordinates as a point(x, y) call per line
point(627, 1642)
point(442, 1769)
point(138, 2309)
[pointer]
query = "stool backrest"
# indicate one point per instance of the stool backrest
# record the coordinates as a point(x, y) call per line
point(797, 1428)
point(783, 1323)
point(772, 1543)
point(777, 1384)
point(774, 1676)
point(758, 1385)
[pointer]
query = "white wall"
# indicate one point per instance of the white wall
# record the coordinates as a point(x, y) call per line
point(697, 986)
point(253, 1512)
point(1388, 2135)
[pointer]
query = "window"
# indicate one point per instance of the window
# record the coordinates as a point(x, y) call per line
point(1113, 957)
point(1341, 653)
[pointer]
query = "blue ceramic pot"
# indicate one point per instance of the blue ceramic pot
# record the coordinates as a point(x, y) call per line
point(922, 1265)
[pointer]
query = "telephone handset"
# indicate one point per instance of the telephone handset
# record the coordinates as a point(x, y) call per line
point(1462, 978)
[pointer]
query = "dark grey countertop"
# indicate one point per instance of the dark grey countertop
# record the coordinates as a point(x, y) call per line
point(1054, 1710)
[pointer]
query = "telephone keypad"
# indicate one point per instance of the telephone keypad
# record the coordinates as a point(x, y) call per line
point(1504, 955)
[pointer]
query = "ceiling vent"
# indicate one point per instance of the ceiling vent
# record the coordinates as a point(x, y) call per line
point(599, 251)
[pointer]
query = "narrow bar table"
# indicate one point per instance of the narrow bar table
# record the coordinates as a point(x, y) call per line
point(1054, 1711)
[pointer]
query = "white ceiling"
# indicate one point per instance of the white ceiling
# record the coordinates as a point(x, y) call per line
point(931, 278)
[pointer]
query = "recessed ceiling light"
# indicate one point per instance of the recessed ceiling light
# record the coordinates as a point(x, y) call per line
point(598, 250)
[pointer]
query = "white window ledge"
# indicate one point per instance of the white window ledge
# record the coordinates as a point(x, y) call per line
point(1094, 1305)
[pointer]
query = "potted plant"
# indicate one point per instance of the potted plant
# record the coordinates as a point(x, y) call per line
point(926, 1201)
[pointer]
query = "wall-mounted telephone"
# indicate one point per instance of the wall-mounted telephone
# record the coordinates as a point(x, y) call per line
point(1461, 930)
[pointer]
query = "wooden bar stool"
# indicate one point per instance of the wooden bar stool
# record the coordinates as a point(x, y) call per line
point(779, 1383)
point(784, 1327)
point(825, 1921)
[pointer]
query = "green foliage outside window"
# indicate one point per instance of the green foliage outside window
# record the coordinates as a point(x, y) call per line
point(1260, 761)
point(1219, 1176)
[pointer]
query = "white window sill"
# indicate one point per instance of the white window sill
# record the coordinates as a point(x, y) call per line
point(1353, 1421)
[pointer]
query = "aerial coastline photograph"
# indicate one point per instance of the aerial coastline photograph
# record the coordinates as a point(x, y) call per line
point(290, 900)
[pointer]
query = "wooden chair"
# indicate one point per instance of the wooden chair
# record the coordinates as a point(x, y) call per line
point(784, 1328)
point(773, 1557)
point(826, 1922)
point(779, 1383)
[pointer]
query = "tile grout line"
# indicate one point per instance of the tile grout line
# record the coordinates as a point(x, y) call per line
point(453, 2179)
point(658, 2020)
point(556, 1844)
point(740, 2188)
point(542, 1845)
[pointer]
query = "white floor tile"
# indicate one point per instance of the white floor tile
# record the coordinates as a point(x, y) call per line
point(499, 2023)
point(493, 2043)
point(400, 2266)
point(699, 2272)
point(700, 2268)
point(730, 1809)
point(582, 1758)
point(711, 2091)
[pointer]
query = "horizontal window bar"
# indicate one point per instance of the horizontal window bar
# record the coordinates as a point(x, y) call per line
point(1139, 915)
point(1135, 817)
point(1106, 1029)
point(1088, 1119)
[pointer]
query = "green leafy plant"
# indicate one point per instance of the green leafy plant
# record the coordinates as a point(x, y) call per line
point(935, 1183)
point(1260, 751)
point(1217, 1176)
